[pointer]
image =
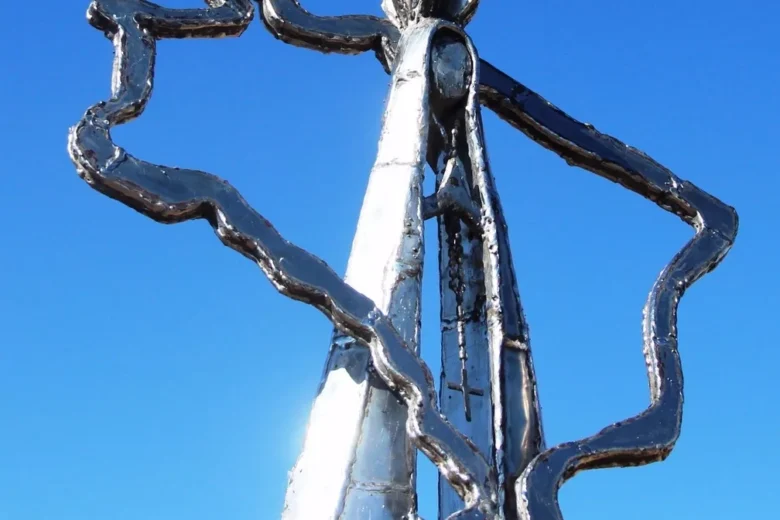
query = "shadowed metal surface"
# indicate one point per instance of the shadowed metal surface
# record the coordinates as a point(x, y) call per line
point(484, 332)
point(465, 373)
point(173, 195)
point(651, 435)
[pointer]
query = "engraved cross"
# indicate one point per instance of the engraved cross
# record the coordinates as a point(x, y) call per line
point(466, 391)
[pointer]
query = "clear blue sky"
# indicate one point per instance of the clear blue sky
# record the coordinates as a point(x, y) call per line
point(148, 373)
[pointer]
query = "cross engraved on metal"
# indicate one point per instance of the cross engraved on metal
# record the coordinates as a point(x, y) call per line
point(467, 391)
point(377, 404)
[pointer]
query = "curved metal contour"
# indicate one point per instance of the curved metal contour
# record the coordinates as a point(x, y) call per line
point(651, 435)
point(288, 21)
point(172, 195)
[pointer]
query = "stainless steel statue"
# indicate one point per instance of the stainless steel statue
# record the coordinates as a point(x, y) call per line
point(377, 404)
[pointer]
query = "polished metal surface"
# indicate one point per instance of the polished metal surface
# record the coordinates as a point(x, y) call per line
point(485, 436)
point(357, 461)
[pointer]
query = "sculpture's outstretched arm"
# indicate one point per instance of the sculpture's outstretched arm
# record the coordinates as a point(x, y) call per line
point(651, 435)
point(171, 195)
point(353, 34)
point(582, 145)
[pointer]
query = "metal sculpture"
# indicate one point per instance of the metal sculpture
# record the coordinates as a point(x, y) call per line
point(485, 435)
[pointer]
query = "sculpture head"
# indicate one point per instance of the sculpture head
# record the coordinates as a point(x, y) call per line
point(402, 12)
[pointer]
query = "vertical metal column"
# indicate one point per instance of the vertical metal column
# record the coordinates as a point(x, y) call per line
point(518, 429)
point(478, 368)
point(517, 425)
point(488, 387)
point(357, 461)
point(465, 378)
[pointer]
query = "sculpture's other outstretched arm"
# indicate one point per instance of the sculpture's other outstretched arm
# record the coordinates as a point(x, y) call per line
point(352, 34)
point(582, 145)
point(171, 195)
point(651, 435)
